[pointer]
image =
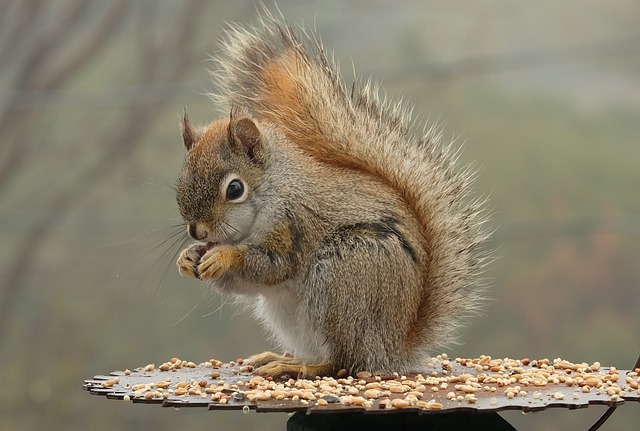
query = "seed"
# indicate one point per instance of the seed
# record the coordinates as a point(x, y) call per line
point(263, 396)
point(615, 377)
point(397, 389)
point(633, 384)
point(613, 390)
point(465, 388)
point(180, 391)
point(422, 404)
point(109, 383)
point(484, 360)
point(593, 382)
point(372, 394)
point(399, 403)
point(412, 399)
point(216, 374)
point(595, 366)
point(352, 391)
point(363, 375)
point(373, 385)
point(558, 396)
point(150, 367)
point(359, 401)
point(126, 398)
point(494, 400)
point(322, 402)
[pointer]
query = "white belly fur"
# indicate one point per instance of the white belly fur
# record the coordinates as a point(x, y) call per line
point(279, 311)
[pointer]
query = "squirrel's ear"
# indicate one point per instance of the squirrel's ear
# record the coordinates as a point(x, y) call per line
point(245, 134)
point(189, 136)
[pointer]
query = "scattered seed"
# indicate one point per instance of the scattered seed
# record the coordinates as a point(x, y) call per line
point(558, 396)
point(372, 394)
point(399, 403)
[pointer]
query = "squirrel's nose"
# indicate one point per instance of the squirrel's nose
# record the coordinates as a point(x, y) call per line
point(197, 231)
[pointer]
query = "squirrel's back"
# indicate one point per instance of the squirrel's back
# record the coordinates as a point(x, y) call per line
point(276, 75)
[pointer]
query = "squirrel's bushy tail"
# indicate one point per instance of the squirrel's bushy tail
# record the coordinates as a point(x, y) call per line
point(274, 74)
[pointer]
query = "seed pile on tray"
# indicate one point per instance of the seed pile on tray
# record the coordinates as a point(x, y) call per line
point(482, 384)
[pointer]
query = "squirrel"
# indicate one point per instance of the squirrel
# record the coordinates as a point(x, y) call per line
point(356, 244)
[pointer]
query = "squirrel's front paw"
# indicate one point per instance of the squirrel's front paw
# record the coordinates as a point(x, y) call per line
point(217, 261)
point(189, 259)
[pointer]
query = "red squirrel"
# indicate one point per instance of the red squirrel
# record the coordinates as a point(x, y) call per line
point(356, 244)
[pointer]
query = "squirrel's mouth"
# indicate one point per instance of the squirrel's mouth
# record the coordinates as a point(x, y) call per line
point(202, 249)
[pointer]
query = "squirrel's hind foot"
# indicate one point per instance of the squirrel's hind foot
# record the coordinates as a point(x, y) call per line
point(269, 364)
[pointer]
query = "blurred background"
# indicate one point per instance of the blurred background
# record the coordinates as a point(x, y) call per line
point(545, 97)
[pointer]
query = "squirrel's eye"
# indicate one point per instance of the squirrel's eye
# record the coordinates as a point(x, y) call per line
point(235, 190)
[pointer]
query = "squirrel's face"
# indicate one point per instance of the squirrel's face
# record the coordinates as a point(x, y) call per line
point(217, 187)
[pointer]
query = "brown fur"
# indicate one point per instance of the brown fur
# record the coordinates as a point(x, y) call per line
point(384, 273)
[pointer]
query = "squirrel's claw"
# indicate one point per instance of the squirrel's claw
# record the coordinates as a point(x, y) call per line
point(217, 261)
point(188, 262)
point(298, 368)
point(269, 364)
point(260, 359)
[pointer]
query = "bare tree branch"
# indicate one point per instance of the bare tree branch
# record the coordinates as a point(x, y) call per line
point(119, 149)
point(14, 26)
point(18, 119)
point(36, 74)
point(95, 41)
point(20, 122)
